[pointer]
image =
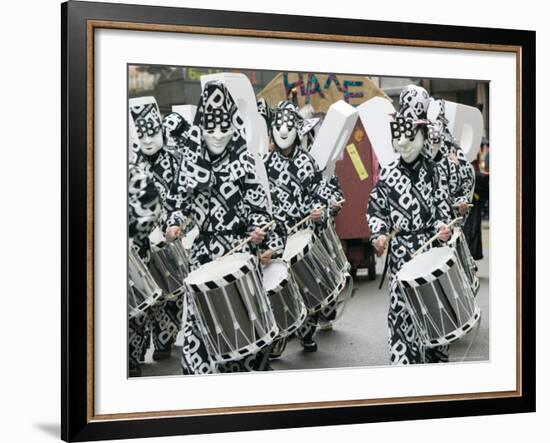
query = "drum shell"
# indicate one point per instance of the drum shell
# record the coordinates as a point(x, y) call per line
point(235, 318)
point(333, 246)
point(169, 266)
point(318, 277)
point(459, 243)
point(287, 305)
point(443, 308)
point(143, 291)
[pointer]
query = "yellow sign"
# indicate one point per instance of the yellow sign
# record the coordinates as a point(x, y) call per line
point(357, 162)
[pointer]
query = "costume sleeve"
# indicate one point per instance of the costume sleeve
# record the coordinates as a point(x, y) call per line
point(255, 199)
point(256, 209)
point(336, 193)
point(467, 177)
point(315, 187)
point(277, 236)
point(178, 201)
point(442, 207)
point(378, 211)
point(143, 208)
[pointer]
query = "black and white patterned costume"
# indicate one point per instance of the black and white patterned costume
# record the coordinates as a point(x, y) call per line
point(296, 184)
point(412, 199)
point(414, 102)
point(225, 199)
point(460, 173)
point(329, 189)
point(331, 192)
point(294, 180)
point(175, 128)
point(165, 317)
point(144, 209)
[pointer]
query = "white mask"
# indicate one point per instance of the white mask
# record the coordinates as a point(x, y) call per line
point(151, 144)
point(409, 149)
point(284, 137)
point(217, 139)
point(433, 149)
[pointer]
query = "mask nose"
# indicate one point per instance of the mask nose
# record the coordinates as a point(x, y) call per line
point(284, 130)
point(217, 133)
point(402, 141)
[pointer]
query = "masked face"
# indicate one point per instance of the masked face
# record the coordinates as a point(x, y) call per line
point(217, 130)
point(284, 137)
point(151, 144)
point(284, 129)
point(434, 139)
point(216, 139)
point(407, 138)
point(409, 149)
point(149, 129)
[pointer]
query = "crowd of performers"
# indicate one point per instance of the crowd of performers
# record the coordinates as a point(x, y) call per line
point(201, 174)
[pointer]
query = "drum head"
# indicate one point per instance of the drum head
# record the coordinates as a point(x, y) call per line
point(424, 264)
point(275, 273)
point(296, 243)
point(218, 269)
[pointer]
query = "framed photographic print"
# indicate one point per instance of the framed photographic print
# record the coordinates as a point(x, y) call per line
point(284, 221)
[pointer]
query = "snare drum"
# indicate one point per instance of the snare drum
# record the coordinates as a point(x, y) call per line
point(318, 276)
point(283, 293)
point(332, 244)
point(169, 266)
point(143, 291)
point(232, 308)
point(439, 296)
point(460, 245)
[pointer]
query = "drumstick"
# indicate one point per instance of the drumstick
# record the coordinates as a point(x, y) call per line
point(434, 238)
point(300, 223)
point(244, 242)
point(470, 205)
point(305, 219)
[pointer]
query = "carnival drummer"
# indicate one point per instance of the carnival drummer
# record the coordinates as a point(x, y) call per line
point(410, 203)
point(143, 212)
point(329, 190)
point(162, 164)
point(219, 190)
point(295, 181)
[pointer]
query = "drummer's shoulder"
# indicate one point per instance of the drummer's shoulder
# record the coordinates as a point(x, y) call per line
point(171, 153)
point(384, 171)
point(305, 156)
point(247, 161)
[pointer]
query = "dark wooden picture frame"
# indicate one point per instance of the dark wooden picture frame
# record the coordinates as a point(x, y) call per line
point(79, 21)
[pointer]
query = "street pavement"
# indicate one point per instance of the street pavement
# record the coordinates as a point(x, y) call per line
point(359, 337)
